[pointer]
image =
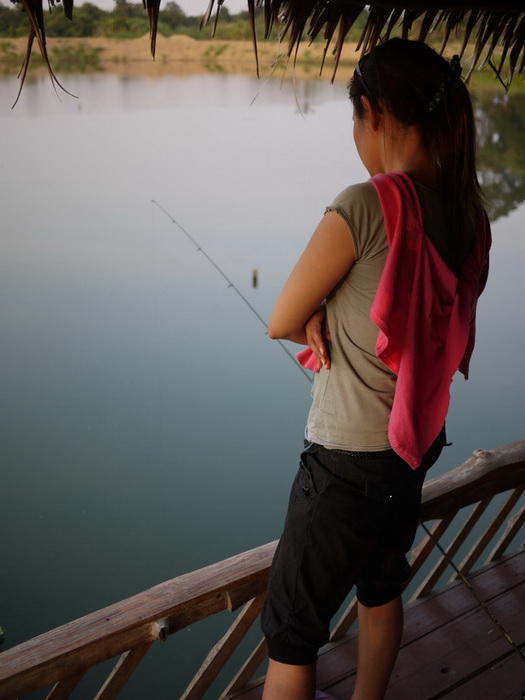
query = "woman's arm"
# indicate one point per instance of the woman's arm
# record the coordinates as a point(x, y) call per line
point(326, 259)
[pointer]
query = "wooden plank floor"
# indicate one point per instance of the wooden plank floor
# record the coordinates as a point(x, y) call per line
point(451, 647)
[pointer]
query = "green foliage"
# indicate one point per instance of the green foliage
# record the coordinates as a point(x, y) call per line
point(72, 58)
point(171, 17)
point(8, 54)
point(125, 20)
point(13, 22)
point(128, 20)
point(87, 19)
point(501, 138)
point(215, 51)
point(75, 59)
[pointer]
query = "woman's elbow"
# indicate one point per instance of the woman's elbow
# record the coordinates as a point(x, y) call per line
point(283, 331)
point(275, 331)
point(284, 325)
point(278, 327)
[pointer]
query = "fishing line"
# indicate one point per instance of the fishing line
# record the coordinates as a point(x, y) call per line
point(482, 604)
point(200, 249)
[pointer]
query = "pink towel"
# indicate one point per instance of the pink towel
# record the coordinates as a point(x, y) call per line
point(425, 315)
point(308, 359)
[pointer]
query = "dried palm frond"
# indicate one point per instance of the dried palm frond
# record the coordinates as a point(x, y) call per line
point(35, 13)
point(152, 7)
point(495, 27)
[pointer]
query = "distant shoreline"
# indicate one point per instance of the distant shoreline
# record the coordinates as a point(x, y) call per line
point(182, 55)
point(179, 55)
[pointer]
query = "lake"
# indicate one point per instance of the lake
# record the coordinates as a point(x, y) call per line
point(149, 426)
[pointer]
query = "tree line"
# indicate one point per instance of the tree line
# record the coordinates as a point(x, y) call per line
point(127, 20)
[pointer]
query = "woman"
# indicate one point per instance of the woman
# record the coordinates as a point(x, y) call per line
point(384, 296)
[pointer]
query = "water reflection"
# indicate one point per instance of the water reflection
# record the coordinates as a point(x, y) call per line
point(500, 119)
point(501, 138)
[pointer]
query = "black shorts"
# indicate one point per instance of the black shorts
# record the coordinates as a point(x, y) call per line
point(352, 517)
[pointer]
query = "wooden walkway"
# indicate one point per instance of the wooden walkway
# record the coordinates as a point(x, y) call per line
point(451, 647)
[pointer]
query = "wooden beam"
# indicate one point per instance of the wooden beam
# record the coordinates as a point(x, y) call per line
point(486, 473)
point(221, 652)
point(109, 632)
point(63, 689)
point(120, 675)
point(513, 527)
point(434, 575)
point(246, 672)
point(424, 549)
point(490, 531)
point(346, 620)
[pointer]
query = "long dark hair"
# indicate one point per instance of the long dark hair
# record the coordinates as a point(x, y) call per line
point(418, 87)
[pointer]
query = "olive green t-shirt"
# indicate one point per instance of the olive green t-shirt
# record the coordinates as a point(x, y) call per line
point(352, 400)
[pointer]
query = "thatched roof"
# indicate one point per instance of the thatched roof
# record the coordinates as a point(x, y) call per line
point(495, 28)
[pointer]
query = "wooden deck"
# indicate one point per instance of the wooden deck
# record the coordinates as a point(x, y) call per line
point(451, 647)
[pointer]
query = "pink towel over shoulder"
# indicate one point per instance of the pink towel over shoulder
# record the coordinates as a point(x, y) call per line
point(425, 315)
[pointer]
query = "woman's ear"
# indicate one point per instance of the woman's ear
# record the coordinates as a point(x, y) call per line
point(371, 114)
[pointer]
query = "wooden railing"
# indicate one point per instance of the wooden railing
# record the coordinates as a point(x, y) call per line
point(60, 658)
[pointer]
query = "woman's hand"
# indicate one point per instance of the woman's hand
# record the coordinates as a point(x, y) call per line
point(317, 333)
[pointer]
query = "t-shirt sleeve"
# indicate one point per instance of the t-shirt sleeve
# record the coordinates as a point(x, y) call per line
point(360, 208)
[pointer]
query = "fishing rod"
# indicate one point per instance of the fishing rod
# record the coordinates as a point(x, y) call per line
point(200, 249)
point(472, 590)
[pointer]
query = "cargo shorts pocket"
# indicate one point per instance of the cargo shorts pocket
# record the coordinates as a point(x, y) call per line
point(312, 477)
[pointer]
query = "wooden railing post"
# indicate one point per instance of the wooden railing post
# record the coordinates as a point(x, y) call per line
point(221, 652)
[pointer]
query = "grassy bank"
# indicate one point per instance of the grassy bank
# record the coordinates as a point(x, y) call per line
point(184, 55)
point(177, 55)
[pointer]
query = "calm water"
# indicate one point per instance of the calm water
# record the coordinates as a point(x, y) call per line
point(149, 427)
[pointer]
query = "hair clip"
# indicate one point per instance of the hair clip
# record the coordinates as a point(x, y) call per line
point(359, 74)
point(453, 72)
point(454, 68)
